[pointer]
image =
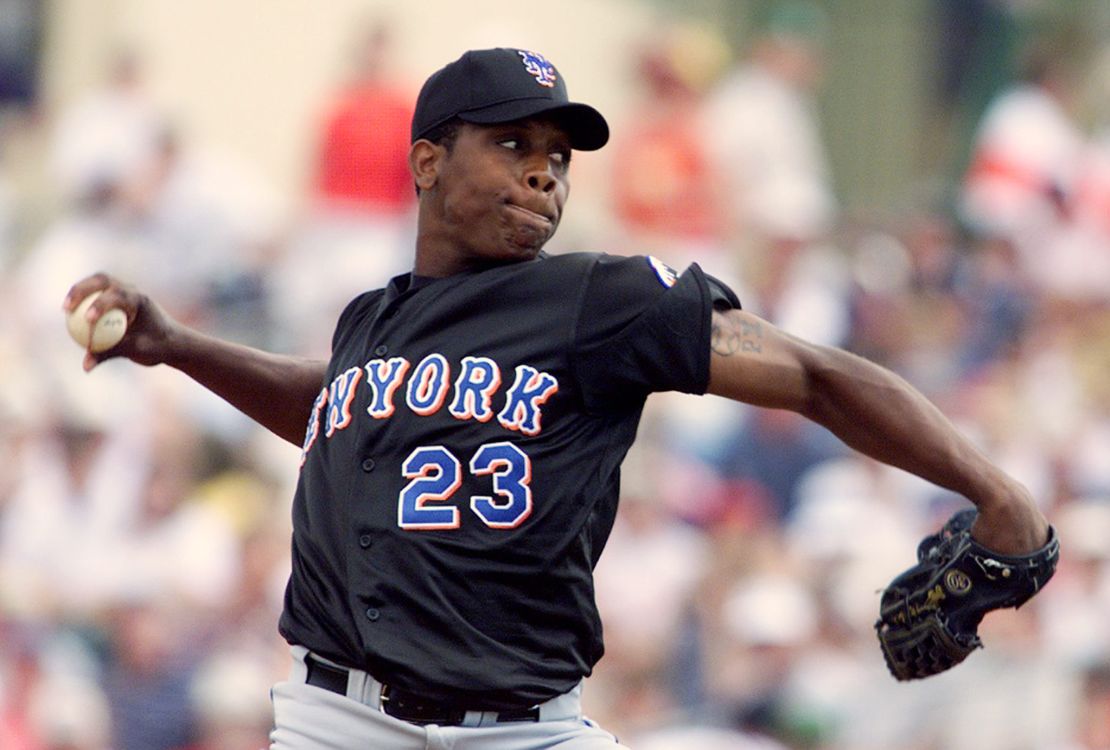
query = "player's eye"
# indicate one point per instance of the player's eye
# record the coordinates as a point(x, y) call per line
point(561, 157)
point(510, 143)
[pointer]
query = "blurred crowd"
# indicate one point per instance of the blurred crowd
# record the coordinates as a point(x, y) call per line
point(144, 525)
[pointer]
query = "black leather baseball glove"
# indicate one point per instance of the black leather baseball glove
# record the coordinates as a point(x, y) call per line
point(929, 614)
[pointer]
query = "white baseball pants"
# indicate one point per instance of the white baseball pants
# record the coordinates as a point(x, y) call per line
point(312, 718)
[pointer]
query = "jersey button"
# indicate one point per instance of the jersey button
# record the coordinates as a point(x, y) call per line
point(373, 615)
point(368, 464)
point(365, 541)
point(381, 350)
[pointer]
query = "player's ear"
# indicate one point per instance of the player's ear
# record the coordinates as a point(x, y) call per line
point(424, 162)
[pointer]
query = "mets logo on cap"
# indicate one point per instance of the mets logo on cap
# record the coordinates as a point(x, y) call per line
point(538, 67)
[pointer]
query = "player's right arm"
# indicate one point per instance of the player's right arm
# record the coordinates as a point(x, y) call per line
point(276, 391)
point(874, 411)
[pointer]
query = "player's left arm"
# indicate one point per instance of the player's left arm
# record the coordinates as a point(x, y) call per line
point(874, 411)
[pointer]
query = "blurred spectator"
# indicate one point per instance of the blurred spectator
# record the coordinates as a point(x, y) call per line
point(994, 407)
point(666, 196)
point(21, 24)
point(362, 159)
point(768, 619)
point(1045, 412)
point(229, 697)
point(772, 449)
point(100, 513)
point(255, 506)
point(175, 544)
point(19, 673)
point(76, 487)
point(71, 713)
point(1080, 251)
point(103, 140)
point(763, 129)
point(357, 225)
point(205, 228)
point(194, 226)
point(854, 527)
point(764, 136)
point(1022, 180)
point(651, 564)
point(1076, 635)
point(900, 277)
point(1000, 303)
point(934, 252)
point(49, 695)
point(148, 675)
point(76, 242)
point(1093, 710)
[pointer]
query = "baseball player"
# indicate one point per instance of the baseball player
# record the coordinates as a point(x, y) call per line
point(461, 449)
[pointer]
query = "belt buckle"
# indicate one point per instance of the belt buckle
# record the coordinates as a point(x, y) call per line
point(416, 711)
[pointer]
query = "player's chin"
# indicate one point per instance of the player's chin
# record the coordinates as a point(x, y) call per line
point(526, 242)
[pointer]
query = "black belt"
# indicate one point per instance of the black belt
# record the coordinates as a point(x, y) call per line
point(402, 705)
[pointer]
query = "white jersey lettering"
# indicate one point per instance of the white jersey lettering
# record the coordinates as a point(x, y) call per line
point(427, 388)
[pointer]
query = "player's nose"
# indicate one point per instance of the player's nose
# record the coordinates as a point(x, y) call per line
point(542, 180)
point(540, 176)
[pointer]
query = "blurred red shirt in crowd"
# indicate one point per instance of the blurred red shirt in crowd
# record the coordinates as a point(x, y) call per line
point(362, 162)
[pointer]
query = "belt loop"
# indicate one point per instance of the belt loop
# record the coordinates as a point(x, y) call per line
point(357, 684)
point(298, 669)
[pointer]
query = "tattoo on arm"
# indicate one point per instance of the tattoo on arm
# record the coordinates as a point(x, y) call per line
point(730, 336)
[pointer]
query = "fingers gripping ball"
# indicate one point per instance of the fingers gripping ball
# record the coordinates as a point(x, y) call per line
point(106, 333)
point(930, 614)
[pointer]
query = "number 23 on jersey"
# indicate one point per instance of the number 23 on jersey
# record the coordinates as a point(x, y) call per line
point(435, 475)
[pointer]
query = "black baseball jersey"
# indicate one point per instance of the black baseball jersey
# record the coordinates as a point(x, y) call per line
point(460, 469)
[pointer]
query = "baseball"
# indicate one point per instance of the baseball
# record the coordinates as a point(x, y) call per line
point(107, 332)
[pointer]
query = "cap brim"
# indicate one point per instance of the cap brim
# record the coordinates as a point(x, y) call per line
point(586, 127)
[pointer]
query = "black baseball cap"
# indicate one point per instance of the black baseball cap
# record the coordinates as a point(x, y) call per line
point(492, 86)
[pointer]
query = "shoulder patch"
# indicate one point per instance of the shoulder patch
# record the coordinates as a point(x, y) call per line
point(667, 275)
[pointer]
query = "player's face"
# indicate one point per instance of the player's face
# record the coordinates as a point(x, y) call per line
point(499, 192)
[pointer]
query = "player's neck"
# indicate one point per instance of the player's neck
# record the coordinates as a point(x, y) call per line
point(442, 259)
point(436, 265)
